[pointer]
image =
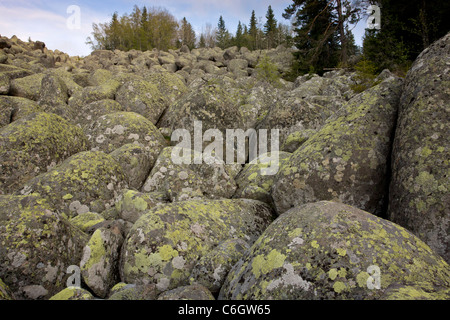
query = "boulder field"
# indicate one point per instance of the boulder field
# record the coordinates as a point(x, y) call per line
point(116, 180)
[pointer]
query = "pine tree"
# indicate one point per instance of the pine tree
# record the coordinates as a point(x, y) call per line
point(223, 36)
point(270, 28)
point(253, 31)
point(239, 36)
point(187, 34)
point(407, 28)
point(202, 41)
point(321, 31)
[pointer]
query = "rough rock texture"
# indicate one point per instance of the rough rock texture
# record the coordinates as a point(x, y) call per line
point(123, 291)
point(86, 182)
point(131, 205)
point(256, 179)
point(28, 87)
point(5, 293)
point(15, 108)
point(86, 221)
point(420, 187)
point(102, 149)
point(192, 292)
point(37, 244)
point(99, 264)
point(136, 162)
point(72, 293)
point(165, 243)
point(34, 144)
point(346, 160)
point(212, 269)
point(212, 178)
point(111, 131)
point(208, 102)
point(91, 111)
point(142, 97)
point(325, 250)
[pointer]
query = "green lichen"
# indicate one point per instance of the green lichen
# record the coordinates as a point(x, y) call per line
point(30, 145)
point(73, 293)
point(186, 231)
point(97, 250)
point(262, 265)
point(87, 220)
point(327, 251)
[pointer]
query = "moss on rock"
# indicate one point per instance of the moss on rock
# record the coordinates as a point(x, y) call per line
point(86, 182)
point(328, 250)
point(420, 186)
point(192, 292)
point(256, 179)
point(212, 269)
point(131, 205)
point(347, 159)
point(142, 97)
point(33, 144)
point(15, 108)
point(28, 87)
point(73, 293)
point(87, 220)
point(180, 181)
point(36, 247)
point(99, 264)
point(5, 293)
point(114, 130)
point(166, 242)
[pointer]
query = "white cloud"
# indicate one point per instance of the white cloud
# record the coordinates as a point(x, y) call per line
point(48, 26)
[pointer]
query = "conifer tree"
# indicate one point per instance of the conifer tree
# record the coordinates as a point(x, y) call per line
point(223, 36)
point(270, 28)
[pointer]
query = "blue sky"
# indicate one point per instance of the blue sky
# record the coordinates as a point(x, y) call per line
point(46, 20)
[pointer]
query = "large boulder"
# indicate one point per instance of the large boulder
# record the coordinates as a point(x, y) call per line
point(32, 145)
point(212, 102)
point(169, 84)
point(37, 245)
point(90, 112)
point(114, 130)
point(142, 97)
point(420, 186)
point(193, 292)
point(86, 182)
point(14, 108)
point(136, 162)
point(256, 179)
point(53, 97)
point(211, 178)
point(27, 87)
point(212, 269)
point(346, 160)
point(327, 251)
point(72, 294)
point(100, 261)
point(165, 243)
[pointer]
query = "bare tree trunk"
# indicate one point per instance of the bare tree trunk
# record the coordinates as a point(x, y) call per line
point(344, 55)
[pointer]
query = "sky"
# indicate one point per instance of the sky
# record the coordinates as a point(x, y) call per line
point(61, 27)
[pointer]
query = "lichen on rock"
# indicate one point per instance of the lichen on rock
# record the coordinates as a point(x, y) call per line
point(328, 250)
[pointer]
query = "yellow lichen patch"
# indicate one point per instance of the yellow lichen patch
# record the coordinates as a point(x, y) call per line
point(262, 265)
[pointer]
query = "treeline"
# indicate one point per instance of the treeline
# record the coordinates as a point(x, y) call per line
point(321, 30)
point(254, 36)
point(407, 28)
point(324, 38)
point(147, 28)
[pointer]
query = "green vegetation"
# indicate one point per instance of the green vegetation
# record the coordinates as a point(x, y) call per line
point(148, 28)
point(366, 72)
point(267, 70)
